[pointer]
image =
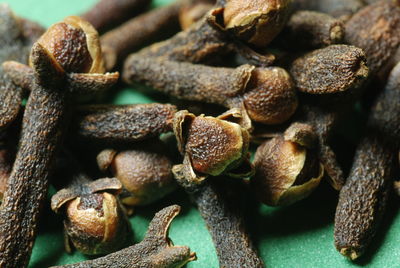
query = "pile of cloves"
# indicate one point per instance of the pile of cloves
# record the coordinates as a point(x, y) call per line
point(278, 74)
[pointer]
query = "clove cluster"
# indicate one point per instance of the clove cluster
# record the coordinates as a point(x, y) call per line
point(278, 76)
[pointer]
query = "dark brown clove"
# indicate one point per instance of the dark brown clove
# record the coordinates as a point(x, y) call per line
point(211, 146)
point(108, 13)
point(363, 198)
point(94, 220)
point(156, 249)
point(127, 123)
point(144, 171)
point(67, 47)
point(376, 29)
point(193, 11)
point(149, 27)
point(336, 68)
point(264, 95)
point(15, 42)
point(310, 29)
point(287, 167)
point(336, 8)
point(219, 203)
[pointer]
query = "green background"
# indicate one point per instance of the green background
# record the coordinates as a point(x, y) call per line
point(297, 236)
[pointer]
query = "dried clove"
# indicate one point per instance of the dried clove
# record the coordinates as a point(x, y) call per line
point(376, 29)
point(156, 249)
point(310, 30)
point(337, 8)
point(133, 34)
point(211, 146)
point(219, 203)
point(363, 198)
point(264, 95)
point(108, 13)
point(67, 47)
point(211, 38)
point(144, 171)
point(334, 69)
point(125, 123)
point(94, 220)
point(192, 12)
point(15, 42)
point(287, 167)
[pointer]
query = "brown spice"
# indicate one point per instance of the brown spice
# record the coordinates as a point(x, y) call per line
point(363, 198)
point(156, 249)
point(192, 11)
point(336, 8)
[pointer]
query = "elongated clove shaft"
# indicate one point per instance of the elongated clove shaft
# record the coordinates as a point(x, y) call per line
point(108, 13)
point(126, 123)
point(266, 95)
point(146, 28)
point(156, 249)
point(45, 119)
point(219, 205)
point(362, 200)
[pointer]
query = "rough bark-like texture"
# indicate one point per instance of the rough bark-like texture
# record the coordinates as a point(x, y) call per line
point(201, 43)
point(126, 123)
point(310, 29)
point(108, 13)
point(336, 8)
point(336, 68)
point(363, 199)
point(188, 81)
point(376, 29)
point(219, 205)
point(43, 125)
point(155, 250)
point(146, 28)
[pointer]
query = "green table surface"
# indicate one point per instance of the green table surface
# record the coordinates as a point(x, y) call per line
point(297, 236)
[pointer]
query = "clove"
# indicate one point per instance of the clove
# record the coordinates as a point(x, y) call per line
point(363, 198)
point(148, 27)
point(125, 123)
point(287, 167)
point(108, 13)
point(376, 30)
point(67, 49)
point(192, 11)
point(94, 220)
point(156, 249)
point(338, 8)
point(144, 171)
point(218, 202)
point(264, 95)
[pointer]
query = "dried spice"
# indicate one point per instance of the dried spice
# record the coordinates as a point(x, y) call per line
point(94, 220)
point(15, 41)
point(156, 249)
point(219, 203)
point(67, 47)
point(108, 13)
point(149, 27)
point(192, 12)
point(144, 171)
point(310, 29)
point(363, 198)
point(287, 167)
point(264, 95)
point(376, 29)
point(336, 68)
point(211, 146)
point(336, 8)
point(125, 123)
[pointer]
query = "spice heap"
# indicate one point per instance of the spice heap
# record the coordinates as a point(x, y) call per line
point(277, 74)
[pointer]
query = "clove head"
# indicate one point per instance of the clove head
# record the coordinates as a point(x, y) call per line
point(73, 45)
point(287, 167)
point(271, 97)
point(256, 21)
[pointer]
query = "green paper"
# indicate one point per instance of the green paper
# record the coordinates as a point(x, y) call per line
point(297, 236)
